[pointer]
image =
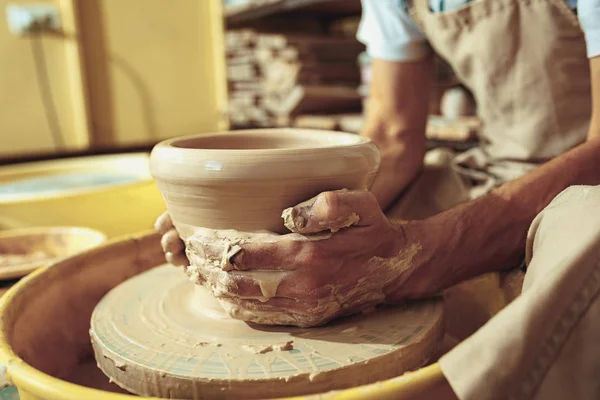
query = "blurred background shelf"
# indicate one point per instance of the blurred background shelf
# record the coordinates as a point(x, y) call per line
point(237, 13)
point(121, 76)
point(298, 63)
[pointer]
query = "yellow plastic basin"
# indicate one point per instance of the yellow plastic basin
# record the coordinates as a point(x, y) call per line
point(44, 322)
point(114, 194)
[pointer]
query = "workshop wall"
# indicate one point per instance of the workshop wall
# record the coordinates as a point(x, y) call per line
point(24, 126)
point(155, 67)
point(122, 74)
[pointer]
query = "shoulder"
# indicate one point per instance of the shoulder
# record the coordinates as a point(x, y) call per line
point(588, 12)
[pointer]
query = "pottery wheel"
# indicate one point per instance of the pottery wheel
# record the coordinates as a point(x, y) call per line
point(150, 338)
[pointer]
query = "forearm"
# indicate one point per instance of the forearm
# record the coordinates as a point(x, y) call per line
point(398, 102)
point(396, 119)
point(489, 233)
point(595, 81)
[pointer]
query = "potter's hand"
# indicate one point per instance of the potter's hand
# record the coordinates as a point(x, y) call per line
point(172, 245)
point(307, 280)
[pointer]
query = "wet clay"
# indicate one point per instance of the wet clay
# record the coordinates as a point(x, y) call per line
point(158, 334)
point(212, 254)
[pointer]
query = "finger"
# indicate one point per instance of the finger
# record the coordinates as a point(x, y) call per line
point(333, 211)
point(277, 304)
point(241, 287)
point(281, 255)
point(177, 259)
point(274, 305)
point(163, 223)
point(171, 242)
point(281, 311)
point(249, 288)
point(265, 285)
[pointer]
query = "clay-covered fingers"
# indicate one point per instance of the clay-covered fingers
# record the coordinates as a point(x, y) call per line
point(163, 223)
point(333, 211)
point(303, 312)
point(277, 311)
point(282, 255)
point(172, 245)
point(281, 284)
point(177, 259)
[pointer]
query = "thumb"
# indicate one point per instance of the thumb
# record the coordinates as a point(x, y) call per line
point(333, 211)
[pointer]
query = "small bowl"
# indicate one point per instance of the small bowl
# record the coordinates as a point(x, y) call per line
point(24, 250)
point(244, 179)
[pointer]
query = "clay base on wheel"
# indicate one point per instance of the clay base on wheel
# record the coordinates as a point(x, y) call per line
point(158, 334)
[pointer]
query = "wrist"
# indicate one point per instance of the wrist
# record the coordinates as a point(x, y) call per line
point(410, 254)
point(428, 250)
point(395, 135)
point(386, 125)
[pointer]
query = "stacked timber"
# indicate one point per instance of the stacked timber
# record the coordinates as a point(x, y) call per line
point(458, 129)
point(275, 77)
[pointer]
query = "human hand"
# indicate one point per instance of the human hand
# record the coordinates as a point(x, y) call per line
point(357, 260)
point(172, 245)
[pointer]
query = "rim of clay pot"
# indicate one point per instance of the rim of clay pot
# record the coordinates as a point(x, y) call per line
point(224, 157)
point(281, 135)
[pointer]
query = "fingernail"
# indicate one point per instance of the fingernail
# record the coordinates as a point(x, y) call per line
point(296, 218)
point(236, 260)
point(293, 219)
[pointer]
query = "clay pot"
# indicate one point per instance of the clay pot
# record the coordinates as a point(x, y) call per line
point(243, 180)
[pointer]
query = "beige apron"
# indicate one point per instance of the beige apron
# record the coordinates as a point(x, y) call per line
point(545, 345)
point(525, 63)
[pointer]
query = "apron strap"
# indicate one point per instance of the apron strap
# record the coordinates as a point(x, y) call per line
point(417, 10)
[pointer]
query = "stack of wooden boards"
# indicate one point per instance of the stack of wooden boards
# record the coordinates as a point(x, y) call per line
point(461, 129)
point(308, 81)
point(275, 77)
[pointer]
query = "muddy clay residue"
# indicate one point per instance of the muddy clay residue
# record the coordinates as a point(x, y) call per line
point(171, 328)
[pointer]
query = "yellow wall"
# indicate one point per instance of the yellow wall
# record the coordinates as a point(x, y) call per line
point(126, 72)
point(156, 68)
point(23, 124)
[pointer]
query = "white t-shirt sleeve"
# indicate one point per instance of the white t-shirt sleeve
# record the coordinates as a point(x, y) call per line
point(588, 12)
point(389, 33)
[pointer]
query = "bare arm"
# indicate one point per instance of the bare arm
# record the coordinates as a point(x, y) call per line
point(396, 119)
point(595, 78)
point(488, 234)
